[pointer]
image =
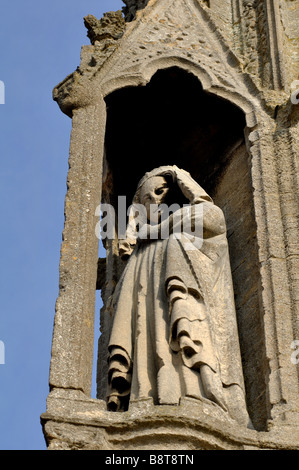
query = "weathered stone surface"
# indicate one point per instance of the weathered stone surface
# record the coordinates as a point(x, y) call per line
point(244, 53)
point(174, 330)
point(74, 422)
point(110, 27)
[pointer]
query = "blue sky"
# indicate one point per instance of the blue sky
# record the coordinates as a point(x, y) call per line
point(40, 45)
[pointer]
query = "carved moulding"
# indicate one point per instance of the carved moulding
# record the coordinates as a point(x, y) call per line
point(74, 422)
point(81, 96)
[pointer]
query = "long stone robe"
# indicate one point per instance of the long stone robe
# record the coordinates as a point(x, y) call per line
point(174, 330)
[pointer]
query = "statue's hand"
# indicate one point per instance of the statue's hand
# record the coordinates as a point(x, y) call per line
point(125, 249)
point(190, 188)
point(186, 183)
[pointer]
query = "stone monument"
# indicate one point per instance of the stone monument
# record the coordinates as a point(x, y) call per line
point(185, 135)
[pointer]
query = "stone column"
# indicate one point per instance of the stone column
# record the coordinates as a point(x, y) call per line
point(275, 234)
point(73, 337)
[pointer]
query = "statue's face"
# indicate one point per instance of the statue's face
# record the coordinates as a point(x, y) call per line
point(153, 191)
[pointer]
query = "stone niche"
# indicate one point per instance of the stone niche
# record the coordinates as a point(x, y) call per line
point(180, 82)
point(170, 121)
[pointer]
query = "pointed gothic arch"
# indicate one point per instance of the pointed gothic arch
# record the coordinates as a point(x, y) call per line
point(144, 73)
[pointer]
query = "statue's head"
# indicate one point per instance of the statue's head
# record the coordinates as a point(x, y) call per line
point(153, 193)
point(159, 186)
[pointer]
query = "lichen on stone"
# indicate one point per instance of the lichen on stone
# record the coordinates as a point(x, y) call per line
point(111, 27)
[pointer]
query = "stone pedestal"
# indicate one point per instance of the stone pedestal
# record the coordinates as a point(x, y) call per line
point(74, 422)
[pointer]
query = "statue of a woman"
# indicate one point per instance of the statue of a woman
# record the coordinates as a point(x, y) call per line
point(174, 330)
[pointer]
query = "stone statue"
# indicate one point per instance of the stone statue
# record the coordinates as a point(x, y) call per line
point(174, 330)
